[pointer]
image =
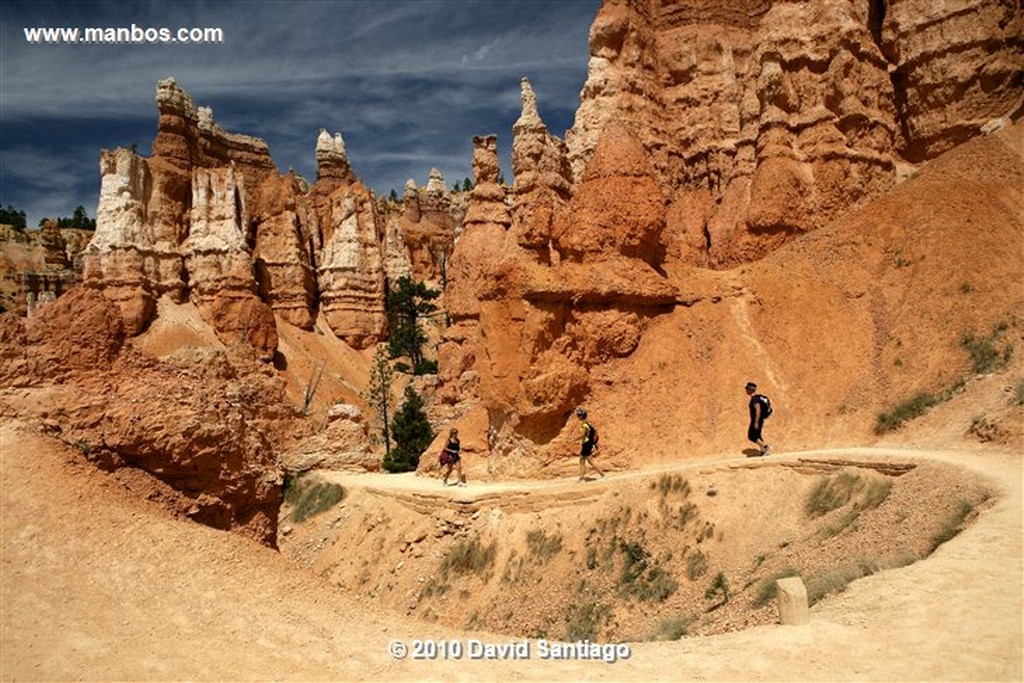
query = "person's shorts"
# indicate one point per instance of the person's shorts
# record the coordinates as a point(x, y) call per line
point(586, 450)
point(754, 432)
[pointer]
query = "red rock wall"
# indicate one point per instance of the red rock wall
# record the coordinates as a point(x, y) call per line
point(767, 119)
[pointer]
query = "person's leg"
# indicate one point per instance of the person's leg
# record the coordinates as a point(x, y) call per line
point(583, 467)
point(447, 472)
point(462, 477)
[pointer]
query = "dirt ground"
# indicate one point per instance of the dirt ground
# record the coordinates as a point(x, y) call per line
point(99, 585)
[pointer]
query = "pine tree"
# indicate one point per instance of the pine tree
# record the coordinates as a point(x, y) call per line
point(407, 303)
point(412, 432)
point(378, 394)
point(13, 217)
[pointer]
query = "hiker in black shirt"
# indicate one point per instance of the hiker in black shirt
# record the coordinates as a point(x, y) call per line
point(451, 458)
point(758, 412)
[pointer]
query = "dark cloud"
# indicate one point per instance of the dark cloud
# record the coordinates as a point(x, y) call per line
point(406, 83)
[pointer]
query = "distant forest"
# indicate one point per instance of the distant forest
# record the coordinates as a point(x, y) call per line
point(79, 219)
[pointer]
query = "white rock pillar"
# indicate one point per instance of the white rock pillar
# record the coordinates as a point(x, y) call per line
point(792, 601)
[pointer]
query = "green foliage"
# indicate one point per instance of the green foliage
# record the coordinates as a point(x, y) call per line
point(543, 547)
point(469, 557)
point(584, 621)
point(831, 493)
point(986, 353)
point(79, 219)
point(378, 393)
point(769, 589)
point(642, 578)
point(835, 491)
point(412, 434)
point(907, 410)
point(407, 303)
point(696, 565)
point(673, 628)
point(672, 483)
point(13, 217)
point(310, 496)
point(718, 590)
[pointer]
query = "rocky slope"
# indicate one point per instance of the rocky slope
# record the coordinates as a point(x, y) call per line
point(647, 266)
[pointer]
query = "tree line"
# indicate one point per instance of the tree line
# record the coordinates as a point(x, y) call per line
point(79, 219)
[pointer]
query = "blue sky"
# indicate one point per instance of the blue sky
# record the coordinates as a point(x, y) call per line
point(406, 83)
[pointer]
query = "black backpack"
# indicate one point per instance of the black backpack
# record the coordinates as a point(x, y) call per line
point(766, 406)
point(592, 433)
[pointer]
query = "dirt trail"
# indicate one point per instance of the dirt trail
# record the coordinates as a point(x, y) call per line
point(97, 585)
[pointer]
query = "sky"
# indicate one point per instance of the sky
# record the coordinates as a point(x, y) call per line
point(406, 83)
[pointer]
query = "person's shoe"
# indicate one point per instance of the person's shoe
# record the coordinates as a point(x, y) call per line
point(444, 483)
point(766, 450)
point(462, 483)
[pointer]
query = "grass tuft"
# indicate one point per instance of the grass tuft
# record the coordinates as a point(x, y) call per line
point(673, 628)
point(769, 589)
point(585, 620)
point(987, 355)
point(467, 557)
point(543, 547)
point(311, 496)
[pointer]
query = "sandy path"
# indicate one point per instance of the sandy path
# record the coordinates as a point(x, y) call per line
point(97, 585)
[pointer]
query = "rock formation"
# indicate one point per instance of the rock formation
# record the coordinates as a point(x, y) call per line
point(543, 177)
point(766, 119)
point(209, 217)
point(527, 331)
point(955, 67)
point(426, 229)
point(205, 427)
point(37, 266)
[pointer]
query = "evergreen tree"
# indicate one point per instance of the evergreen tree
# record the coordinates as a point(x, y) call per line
point(407, 303)
point(467, 185)
point(378, 394)
point(13, 217)
point(412, 432)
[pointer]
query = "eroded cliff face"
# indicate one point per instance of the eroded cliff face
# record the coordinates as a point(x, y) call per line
point(767, 119)
point(208, 217)
point(540, 298)
point(709, 135)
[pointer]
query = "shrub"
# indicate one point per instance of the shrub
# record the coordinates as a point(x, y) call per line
point(769, 589)
point(585, 620)
point(311, 496)
point(831, 493)
point(985, 352)
point(469, 557)
point(412, 433)
point(671, 483)
point(543, 547)
point(907, 410)
point(696, 565)
point(673, 628)
point(642, 579)
point(718, 590)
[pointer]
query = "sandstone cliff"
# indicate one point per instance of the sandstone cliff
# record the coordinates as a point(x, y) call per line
point(767, 119)
point(709, 136)
point(208, 217)
point(37, 266)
